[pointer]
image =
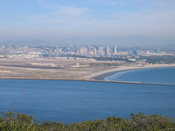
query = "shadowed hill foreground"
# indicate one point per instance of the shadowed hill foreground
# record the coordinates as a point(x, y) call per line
point(138, 122)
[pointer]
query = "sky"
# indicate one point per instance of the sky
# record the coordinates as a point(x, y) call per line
point(130, 22)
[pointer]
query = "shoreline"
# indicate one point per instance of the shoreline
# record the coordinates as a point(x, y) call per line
point(102, 75)
point(97, 75)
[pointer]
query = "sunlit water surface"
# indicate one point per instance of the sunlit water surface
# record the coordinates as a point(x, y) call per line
point(74, 101)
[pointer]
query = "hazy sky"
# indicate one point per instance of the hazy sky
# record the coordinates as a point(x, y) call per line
point(128, 21)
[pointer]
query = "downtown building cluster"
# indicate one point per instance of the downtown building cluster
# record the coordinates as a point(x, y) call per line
point(76, 51)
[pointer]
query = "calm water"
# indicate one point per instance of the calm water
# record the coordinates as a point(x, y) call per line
point(74, 101)
point(157, 75)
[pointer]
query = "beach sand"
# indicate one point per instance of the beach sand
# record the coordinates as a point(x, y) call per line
point(82, 73)
point(102, 74)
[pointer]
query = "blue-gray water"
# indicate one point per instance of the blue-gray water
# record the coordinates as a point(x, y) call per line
point(74, 101)
point(150, 75)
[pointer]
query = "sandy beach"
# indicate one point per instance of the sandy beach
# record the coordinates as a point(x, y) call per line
point(101, 75)
point(65, 69)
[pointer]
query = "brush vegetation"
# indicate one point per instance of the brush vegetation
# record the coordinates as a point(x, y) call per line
point(137, 122)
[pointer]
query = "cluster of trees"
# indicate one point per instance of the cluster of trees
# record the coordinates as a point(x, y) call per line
point(139, 122)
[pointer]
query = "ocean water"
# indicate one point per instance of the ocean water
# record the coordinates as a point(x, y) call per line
point(153, 75)
point(75, 101)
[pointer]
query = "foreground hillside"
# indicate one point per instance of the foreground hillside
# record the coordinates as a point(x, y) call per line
point(138, 122)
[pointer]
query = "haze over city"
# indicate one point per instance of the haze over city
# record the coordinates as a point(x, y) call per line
point(125, 23)
point(87, 65)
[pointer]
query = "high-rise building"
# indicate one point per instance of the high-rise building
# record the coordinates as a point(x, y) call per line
point(83, 51)
point(115, 49)
point(101, 51)
point(108, 51)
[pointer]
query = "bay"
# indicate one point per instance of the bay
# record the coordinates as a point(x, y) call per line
point(75, 101)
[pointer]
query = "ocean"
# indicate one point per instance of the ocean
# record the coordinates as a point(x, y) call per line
point(148, 75)
point(75, 101)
